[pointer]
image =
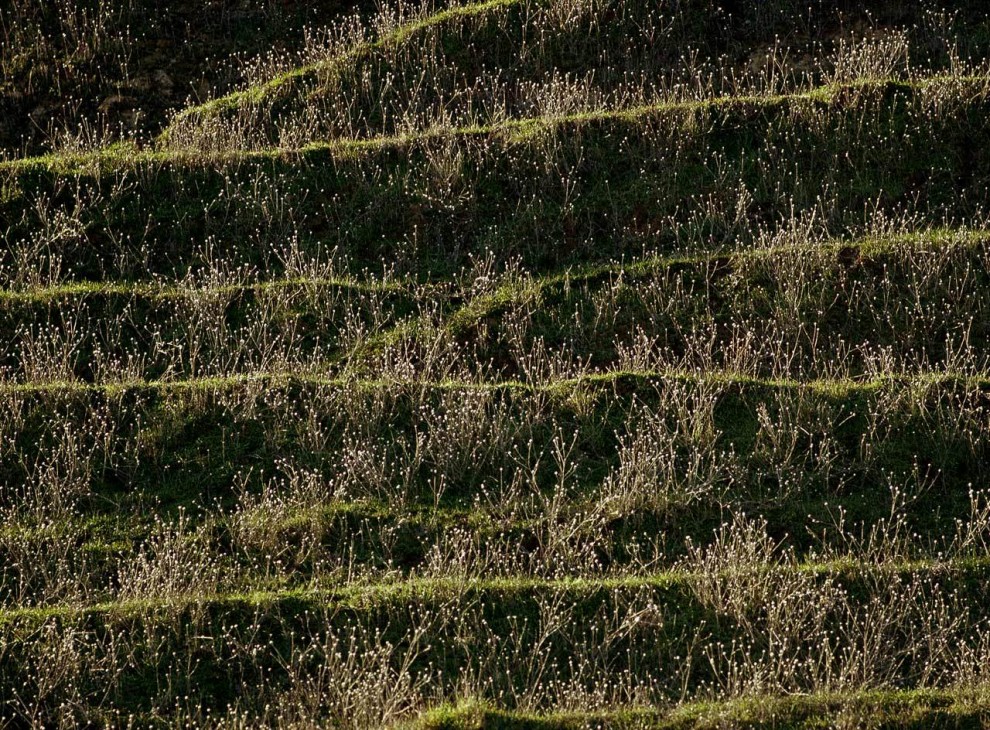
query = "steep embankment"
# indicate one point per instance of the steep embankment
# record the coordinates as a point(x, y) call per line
point(523, 363)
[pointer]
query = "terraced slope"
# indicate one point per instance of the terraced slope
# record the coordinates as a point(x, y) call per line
point(529, 363)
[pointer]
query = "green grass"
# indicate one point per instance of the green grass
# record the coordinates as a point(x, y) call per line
point(123, 156)
point(370, 596)
point(397, 36)
point(451, 374)
point(887, 709)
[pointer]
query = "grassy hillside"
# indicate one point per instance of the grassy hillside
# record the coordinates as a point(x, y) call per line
point(520, 363)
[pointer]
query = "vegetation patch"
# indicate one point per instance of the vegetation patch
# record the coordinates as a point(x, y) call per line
point(503, 364)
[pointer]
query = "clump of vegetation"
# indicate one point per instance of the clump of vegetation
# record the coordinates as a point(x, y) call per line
point(513, 363)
